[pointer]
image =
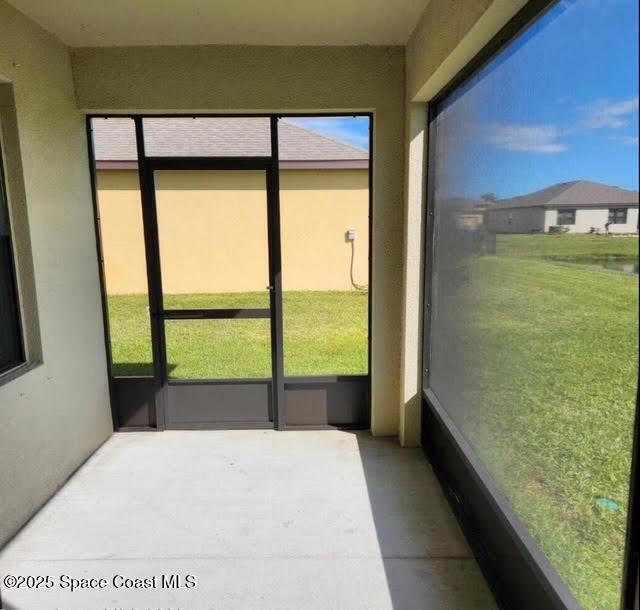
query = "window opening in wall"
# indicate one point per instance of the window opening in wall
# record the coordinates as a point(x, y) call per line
point(566, 217)
point(618, 216)
point(11, 341)
point(532, 326)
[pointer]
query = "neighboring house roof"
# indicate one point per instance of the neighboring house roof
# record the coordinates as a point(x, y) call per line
point(115, 144)
point(577, 194)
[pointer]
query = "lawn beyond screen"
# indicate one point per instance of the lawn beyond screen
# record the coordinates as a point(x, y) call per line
point(534, 290)
point(324, 228)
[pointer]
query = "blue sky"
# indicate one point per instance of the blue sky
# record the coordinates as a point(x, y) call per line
point(560, 104)
point(353, 130)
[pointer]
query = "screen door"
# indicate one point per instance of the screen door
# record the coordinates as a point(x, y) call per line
point(216, 315)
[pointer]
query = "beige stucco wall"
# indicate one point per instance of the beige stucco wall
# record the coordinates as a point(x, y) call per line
point(448, 35)
point(317, 209)
point(213, 230)
point(56, 414)
point(281, 79)
point(121, 231)
point(414, 232)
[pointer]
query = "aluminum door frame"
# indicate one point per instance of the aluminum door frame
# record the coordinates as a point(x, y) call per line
point(261, 398)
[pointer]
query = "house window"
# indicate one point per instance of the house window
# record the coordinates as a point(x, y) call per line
point(566, 217)
point(11, 347)
point(618, 216)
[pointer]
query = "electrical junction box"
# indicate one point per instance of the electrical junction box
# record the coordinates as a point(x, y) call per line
point(351, 234)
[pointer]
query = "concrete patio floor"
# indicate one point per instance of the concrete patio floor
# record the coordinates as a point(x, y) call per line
point(263, 520)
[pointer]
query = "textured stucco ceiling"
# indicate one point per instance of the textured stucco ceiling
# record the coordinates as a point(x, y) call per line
point(253, 22)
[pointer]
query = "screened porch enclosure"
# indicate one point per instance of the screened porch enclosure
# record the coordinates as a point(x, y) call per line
point(325, 305)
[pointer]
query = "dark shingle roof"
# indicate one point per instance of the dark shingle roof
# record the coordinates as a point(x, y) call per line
point(114, 140)
point(580, 193)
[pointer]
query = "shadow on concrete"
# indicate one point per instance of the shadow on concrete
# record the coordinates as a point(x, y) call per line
point(428, 563)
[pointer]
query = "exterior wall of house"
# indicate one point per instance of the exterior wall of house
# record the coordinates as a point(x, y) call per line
point(550, 219)
point(516, 220)
point(588, 217)
point(285, 79)
point(317, 209)
point(221, 243)
point(537, 219)
point(54, 415)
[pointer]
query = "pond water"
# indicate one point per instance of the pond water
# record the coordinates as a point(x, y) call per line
point(623, 265)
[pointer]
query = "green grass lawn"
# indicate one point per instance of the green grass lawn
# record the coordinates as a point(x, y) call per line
point(325, 334)
point(578, 247)
point(550, 355)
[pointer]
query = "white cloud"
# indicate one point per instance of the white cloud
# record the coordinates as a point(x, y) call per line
point(605, 113)
point(626, 140)
point(548, 139)
point(540, 139)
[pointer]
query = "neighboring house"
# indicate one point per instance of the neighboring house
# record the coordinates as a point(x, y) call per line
point(324, 192)
point(578, 206)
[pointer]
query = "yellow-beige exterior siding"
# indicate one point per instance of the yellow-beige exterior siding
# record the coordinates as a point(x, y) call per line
point(213, 230)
